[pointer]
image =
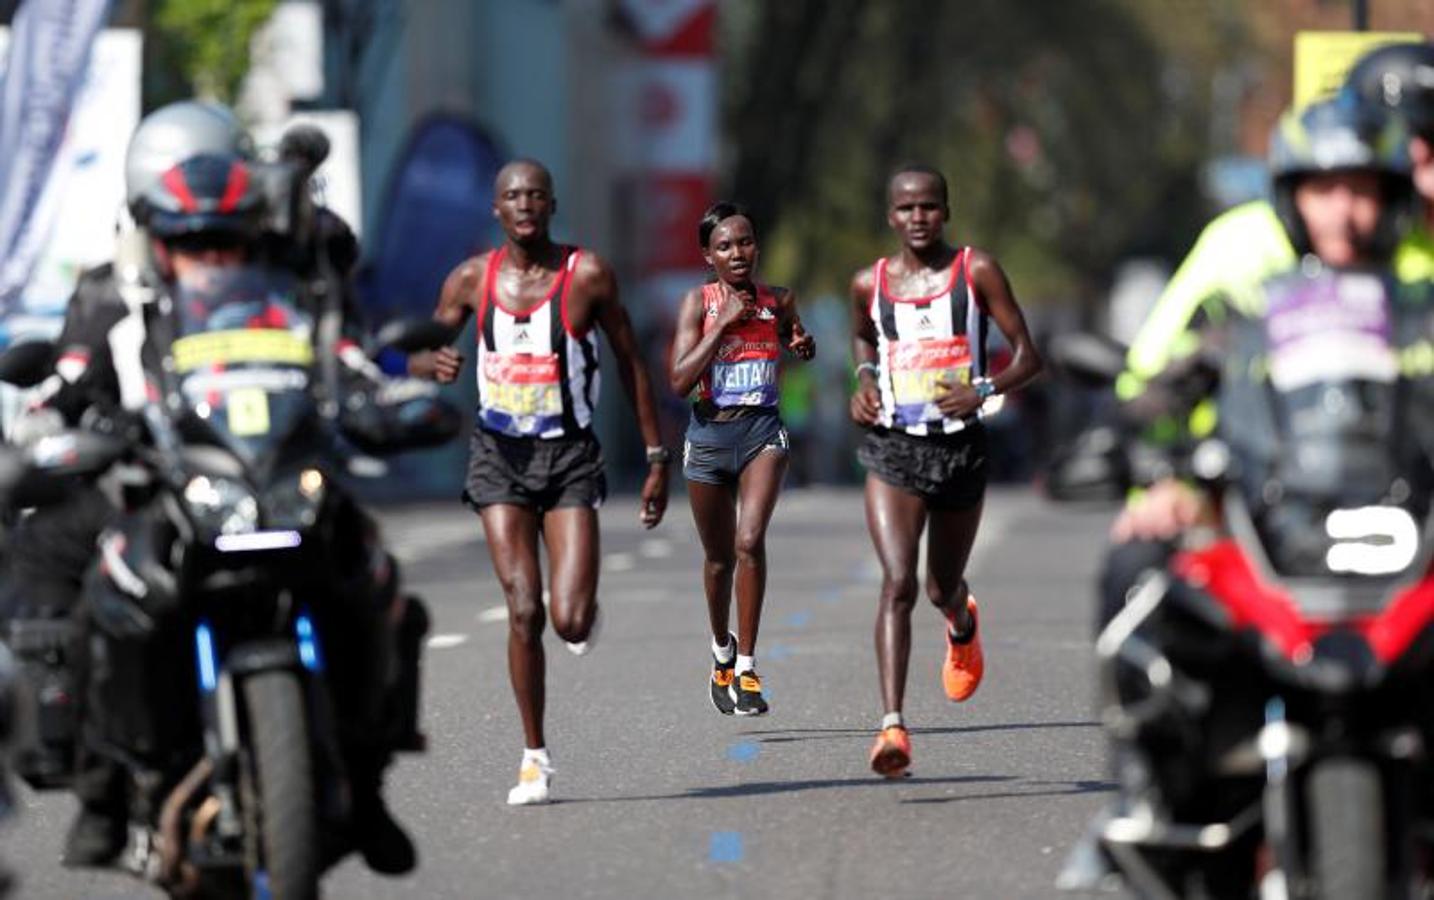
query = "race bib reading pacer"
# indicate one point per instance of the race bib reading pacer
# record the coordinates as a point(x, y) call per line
point(918, 368)
point(521, 394)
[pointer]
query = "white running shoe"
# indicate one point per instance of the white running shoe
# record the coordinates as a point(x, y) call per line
point(534, 780)
point(581, 648)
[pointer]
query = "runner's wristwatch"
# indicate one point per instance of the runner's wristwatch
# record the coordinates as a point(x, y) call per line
point(984, 387)
point(658, 456)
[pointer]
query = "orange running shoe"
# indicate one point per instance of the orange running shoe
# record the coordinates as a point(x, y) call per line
point(961, 672)
point(891, 754)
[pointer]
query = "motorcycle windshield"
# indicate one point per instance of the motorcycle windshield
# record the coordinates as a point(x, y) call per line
point(244, 356)
point(1315, 412)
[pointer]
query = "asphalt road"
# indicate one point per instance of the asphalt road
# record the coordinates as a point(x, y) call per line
point(662, 797)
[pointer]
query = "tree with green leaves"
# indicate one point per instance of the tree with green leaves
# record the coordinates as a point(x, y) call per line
point(1071, 133)
point(201, 47)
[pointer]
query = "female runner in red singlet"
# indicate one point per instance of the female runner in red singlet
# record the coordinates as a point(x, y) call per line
point(729, 339)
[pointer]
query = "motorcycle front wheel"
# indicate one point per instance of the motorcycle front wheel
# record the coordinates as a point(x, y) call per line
point(1345, 801)
point(280, 787)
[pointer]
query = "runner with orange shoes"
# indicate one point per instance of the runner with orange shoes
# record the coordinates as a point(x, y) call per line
point(919, 326)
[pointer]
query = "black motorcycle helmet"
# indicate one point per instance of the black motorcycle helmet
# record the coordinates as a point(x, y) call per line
point(1342, 134)
point(206, 195)
point(1400, 78)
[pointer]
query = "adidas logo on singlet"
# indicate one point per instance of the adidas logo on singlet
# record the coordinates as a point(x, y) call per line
point(521, 337)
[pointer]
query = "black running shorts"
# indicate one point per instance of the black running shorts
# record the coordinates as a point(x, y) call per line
point(716, 452)
point(948, 471)
point(542, 474)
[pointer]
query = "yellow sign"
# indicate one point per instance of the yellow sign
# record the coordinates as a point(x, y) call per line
point(1324, 58)
point(252, 345)
point(248, 412)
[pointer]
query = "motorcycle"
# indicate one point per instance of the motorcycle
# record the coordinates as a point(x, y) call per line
point(10, 715)
point(1268, 690)
point(1094, 464)
point(1110, 456)
point(215, 587)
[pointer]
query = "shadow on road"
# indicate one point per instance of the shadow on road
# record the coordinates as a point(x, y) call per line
point(1057, 789)
point(790, 735)
point(761, 788)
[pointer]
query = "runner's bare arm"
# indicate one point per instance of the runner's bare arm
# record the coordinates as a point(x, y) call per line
point(789, 325)
point(866, 401)
point(455, 305)
point(995, 289)
point(595, 279)
point(693, 351)
point(990, 282)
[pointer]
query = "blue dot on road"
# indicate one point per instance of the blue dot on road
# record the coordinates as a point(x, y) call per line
point(726, 847)
point(799, 619)
point(743, 751)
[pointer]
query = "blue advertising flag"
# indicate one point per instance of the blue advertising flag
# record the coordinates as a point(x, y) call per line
point(49, 48)
point(436, 213)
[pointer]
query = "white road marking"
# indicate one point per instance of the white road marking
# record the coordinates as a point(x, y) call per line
point(619, 562)
point(446, 641)
point(996, 522)
point(628, 597)
point(411, 539)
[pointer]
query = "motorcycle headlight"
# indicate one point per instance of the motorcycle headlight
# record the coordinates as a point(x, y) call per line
point(221, 504)
point(294, 500)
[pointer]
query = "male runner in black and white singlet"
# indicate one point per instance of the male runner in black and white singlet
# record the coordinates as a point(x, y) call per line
point(535, 467)
point(919, 325)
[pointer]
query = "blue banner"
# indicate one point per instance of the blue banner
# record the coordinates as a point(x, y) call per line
point(50, 45)
point(437, 213)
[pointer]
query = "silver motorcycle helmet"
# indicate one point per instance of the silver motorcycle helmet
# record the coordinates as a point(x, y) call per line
point(172, 134)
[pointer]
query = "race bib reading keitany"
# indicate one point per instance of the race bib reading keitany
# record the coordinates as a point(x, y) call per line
point(745, 373)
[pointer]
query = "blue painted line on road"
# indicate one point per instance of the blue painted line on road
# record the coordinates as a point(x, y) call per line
point(865, 572)
point(743, 751)
point(799, 619)
point(777, 651)
point(725, 847)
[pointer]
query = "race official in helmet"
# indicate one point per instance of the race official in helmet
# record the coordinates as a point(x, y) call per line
point(194, 196)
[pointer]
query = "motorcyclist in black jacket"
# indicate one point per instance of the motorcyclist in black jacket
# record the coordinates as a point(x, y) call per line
point(385, 627)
